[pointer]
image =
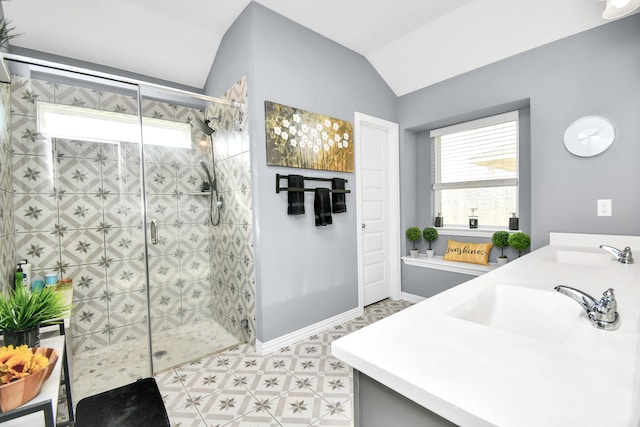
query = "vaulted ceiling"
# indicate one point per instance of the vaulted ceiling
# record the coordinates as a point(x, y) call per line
point(411, 43)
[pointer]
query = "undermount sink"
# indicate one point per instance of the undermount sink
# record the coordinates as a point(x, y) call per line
point(582, 258)
point(542, 315)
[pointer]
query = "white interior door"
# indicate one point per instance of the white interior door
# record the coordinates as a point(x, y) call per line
point(377, 156)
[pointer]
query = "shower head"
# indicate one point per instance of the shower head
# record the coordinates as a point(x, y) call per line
point(206, 170)
point(202, 126)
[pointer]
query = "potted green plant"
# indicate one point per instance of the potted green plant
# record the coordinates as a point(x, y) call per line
point(5, 36)
point(519, 241)
point(430, 234)
point(22, 313)
point(500, 239)
point(5, 33)
point(414, 234)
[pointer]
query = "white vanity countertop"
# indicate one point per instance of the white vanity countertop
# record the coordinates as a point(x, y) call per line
point(561, 371)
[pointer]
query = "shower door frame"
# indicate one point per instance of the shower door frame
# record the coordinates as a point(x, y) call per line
point(105, 79)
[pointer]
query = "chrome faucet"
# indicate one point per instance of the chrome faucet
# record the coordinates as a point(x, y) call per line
point(625, 256)
point(603, 314)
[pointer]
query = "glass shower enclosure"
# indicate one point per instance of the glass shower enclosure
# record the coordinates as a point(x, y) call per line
point(111, 190)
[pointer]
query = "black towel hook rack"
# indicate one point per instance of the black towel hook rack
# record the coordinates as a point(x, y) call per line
point(298, 189)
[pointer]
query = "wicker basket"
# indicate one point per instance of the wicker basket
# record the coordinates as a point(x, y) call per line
point(19, 392)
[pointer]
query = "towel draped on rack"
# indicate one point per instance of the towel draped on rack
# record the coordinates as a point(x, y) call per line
point(295, 198)
point(338, 200)
point(322, 207)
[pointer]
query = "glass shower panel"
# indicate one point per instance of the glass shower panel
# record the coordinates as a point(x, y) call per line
point(78, 212)
point(180, 180)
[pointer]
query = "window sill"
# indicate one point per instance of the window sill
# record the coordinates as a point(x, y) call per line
point(437, 263)
point(470, 232)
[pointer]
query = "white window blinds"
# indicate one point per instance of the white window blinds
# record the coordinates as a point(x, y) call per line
point(472, 158)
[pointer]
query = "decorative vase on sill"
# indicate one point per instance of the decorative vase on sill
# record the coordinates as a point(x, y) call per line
point(502, 260)
point(473, 219)
point(438, 221)
point(514, 222)
point(414, 253)
point(431, 253)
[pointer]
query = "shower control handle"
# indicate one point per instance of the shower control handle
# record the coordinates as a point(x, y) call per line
point(154, 232)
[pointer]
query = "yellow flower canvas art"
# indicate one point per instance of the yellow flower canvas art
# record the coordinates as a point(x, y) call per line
point(301, 139)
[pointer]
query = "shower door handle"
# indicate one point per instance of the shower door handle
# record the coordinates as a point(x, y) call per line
point(154, 232)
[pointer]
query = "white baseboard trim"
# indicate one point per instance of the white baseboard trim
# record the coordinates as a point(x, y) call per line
point(301, 334)
point(411, 297)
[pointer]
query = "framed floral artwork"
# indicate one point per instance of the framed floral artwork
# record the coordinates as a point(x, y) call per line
point(300, 139)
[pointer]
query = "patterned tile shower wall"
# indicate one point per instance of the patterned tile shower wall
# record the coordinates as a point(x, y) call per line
point(78, 212)
point(179, 276)
point(233, 255)
point(7, 236)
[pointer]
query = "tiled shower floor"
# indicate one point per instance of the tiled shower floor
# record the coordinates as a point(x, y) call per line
point(299, 385)
point(98, 371)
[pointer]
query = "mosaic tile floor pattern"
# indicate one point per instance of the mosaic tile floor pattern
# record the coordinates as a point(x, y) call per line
point(103, 370)
point(299, 385)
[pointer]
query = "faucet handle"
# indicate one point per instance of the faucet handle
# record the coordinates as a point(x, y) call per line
point(607, 307)
point(603, 314)
point(624, 256)
point(609, 294)
point(608, 301)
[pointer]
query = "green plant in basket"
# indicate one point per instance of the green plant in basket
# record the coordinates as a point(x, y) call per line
point(23, 310)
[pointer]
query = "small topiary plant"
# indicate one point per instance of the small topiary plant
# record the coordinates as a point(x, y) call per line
point(430, 234)
point(414, 234)
point(519, 241)
point(501, 240)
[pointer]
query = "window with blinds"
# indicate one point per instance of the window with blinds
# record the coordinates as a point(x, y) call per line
point(475, 167)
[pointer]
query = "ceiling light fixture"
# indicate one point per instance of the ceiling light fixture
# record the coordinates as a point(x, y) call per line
point(618, 8)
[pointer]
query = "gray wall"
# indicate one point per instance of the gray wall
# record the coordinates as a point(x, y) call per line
point(596, 72)
point(304, 274)
point(427, 282)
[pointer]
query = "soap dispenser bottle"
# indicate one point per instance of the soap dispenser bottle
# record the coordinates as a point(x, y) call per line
point(26, 274)
point(514, 222)
point(473, 219)
point(439, 220)
point(19, 277)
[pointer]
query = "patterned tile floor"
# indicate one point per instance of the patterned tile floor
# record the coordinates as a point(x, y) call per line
point(299, 385)
point(104, 370)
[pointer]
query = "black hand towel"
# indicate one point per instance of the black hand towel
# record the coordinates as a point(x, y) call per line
point(338, 200)
point(295, 198)
point(322, 207)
